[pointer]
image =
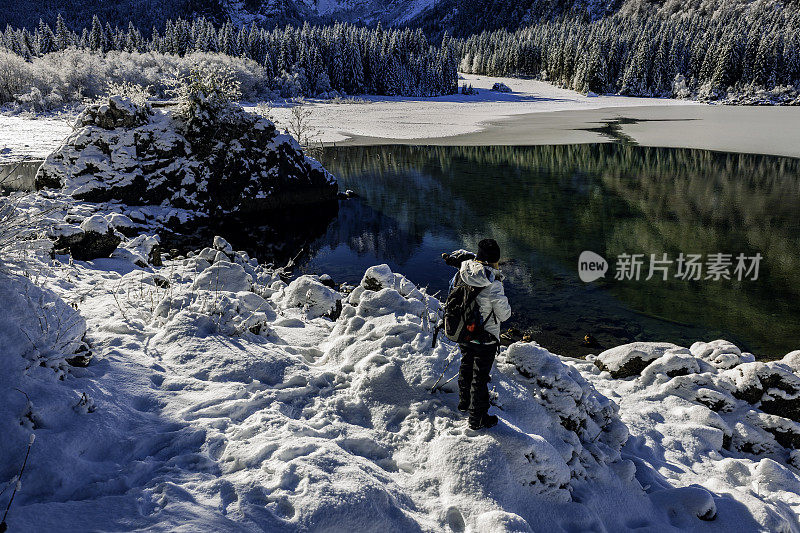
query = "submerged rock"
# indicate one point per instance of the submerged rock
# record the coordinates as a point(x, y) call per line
point(123, 151)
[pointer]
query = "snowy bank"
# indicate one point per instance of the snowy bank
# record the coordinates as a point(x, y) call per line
point(222, 396)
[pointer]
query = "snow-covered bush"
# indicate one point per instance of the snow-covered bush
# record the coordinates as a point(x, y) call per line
point(134, 92)
point(39, 327)
point(70, 76)
point(203, 95)
point(15, 76)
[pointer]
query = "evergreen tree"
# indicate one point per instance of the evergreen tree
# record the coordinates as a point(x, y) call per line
point(63, 36)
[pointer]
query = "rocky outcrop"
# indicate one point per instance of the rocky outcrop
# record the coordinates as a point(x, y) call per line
point(240, 164)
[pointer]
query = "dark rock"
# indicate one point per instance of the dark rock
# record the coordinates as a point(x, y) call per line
point(326, 280)
point(590, 342)
point(93, 245)
point(82, 357)
point(348, 194)
point(65, 242)
point(155, 256)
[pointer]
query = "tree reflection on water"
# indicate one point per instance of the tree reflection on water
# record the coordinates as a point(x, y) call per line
point(546, 204)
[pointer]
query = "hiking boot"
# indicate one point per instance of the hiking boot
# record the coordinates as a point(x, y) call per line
point(463, 405)
point(488, 421)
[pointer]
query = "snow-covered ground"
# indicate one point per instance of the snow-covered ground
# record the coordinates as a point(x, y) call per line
point(407, 118)
point(221, 398)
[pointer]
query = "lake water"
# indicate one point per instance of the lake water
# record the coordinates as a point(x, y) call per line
point(18, 176)
point(547, 204)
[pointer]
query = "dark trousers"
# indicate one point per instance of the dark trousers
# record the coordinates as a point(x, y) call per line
point(473, 377)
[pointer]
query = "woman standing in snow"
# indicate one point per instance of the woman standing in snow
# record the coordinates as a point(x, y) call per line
point(477, 356)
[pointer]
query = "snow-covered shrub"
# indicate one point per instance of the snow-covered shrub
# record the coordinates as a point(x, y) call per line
point(138, 94)
point(15, 76)
point(203, 95)
point(41, 328)
point(501, 88)
point(72, 75)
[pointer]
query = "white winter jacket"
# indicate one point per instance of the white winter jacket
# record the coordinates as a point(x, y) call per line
point(492, 297)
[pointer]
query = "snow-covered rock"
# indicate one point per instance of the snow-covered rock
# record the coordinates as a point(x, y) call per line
point(123, 224)
point(224, 276)
point(579, 407)
point(126, 152)
point(222, 245)
point(721, 353)
point(143, 250)
point(771, 385)
point(311, 295)
point(96, 223)
point(792, 361)
point(630, 359)
point(96, 239)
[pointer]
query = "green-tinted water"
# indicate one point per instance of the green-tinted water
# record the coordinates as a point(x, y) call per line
point(547, 204)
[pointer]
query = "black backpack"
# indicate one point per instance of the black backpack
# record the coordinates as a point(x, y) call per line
point(462, 320)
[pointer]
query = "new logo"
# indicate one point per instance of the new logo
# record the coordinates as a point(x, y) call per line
point(591, 266)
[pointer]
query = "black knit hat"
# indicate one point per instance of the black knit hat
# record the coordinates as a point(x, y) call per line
point(488, 251)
